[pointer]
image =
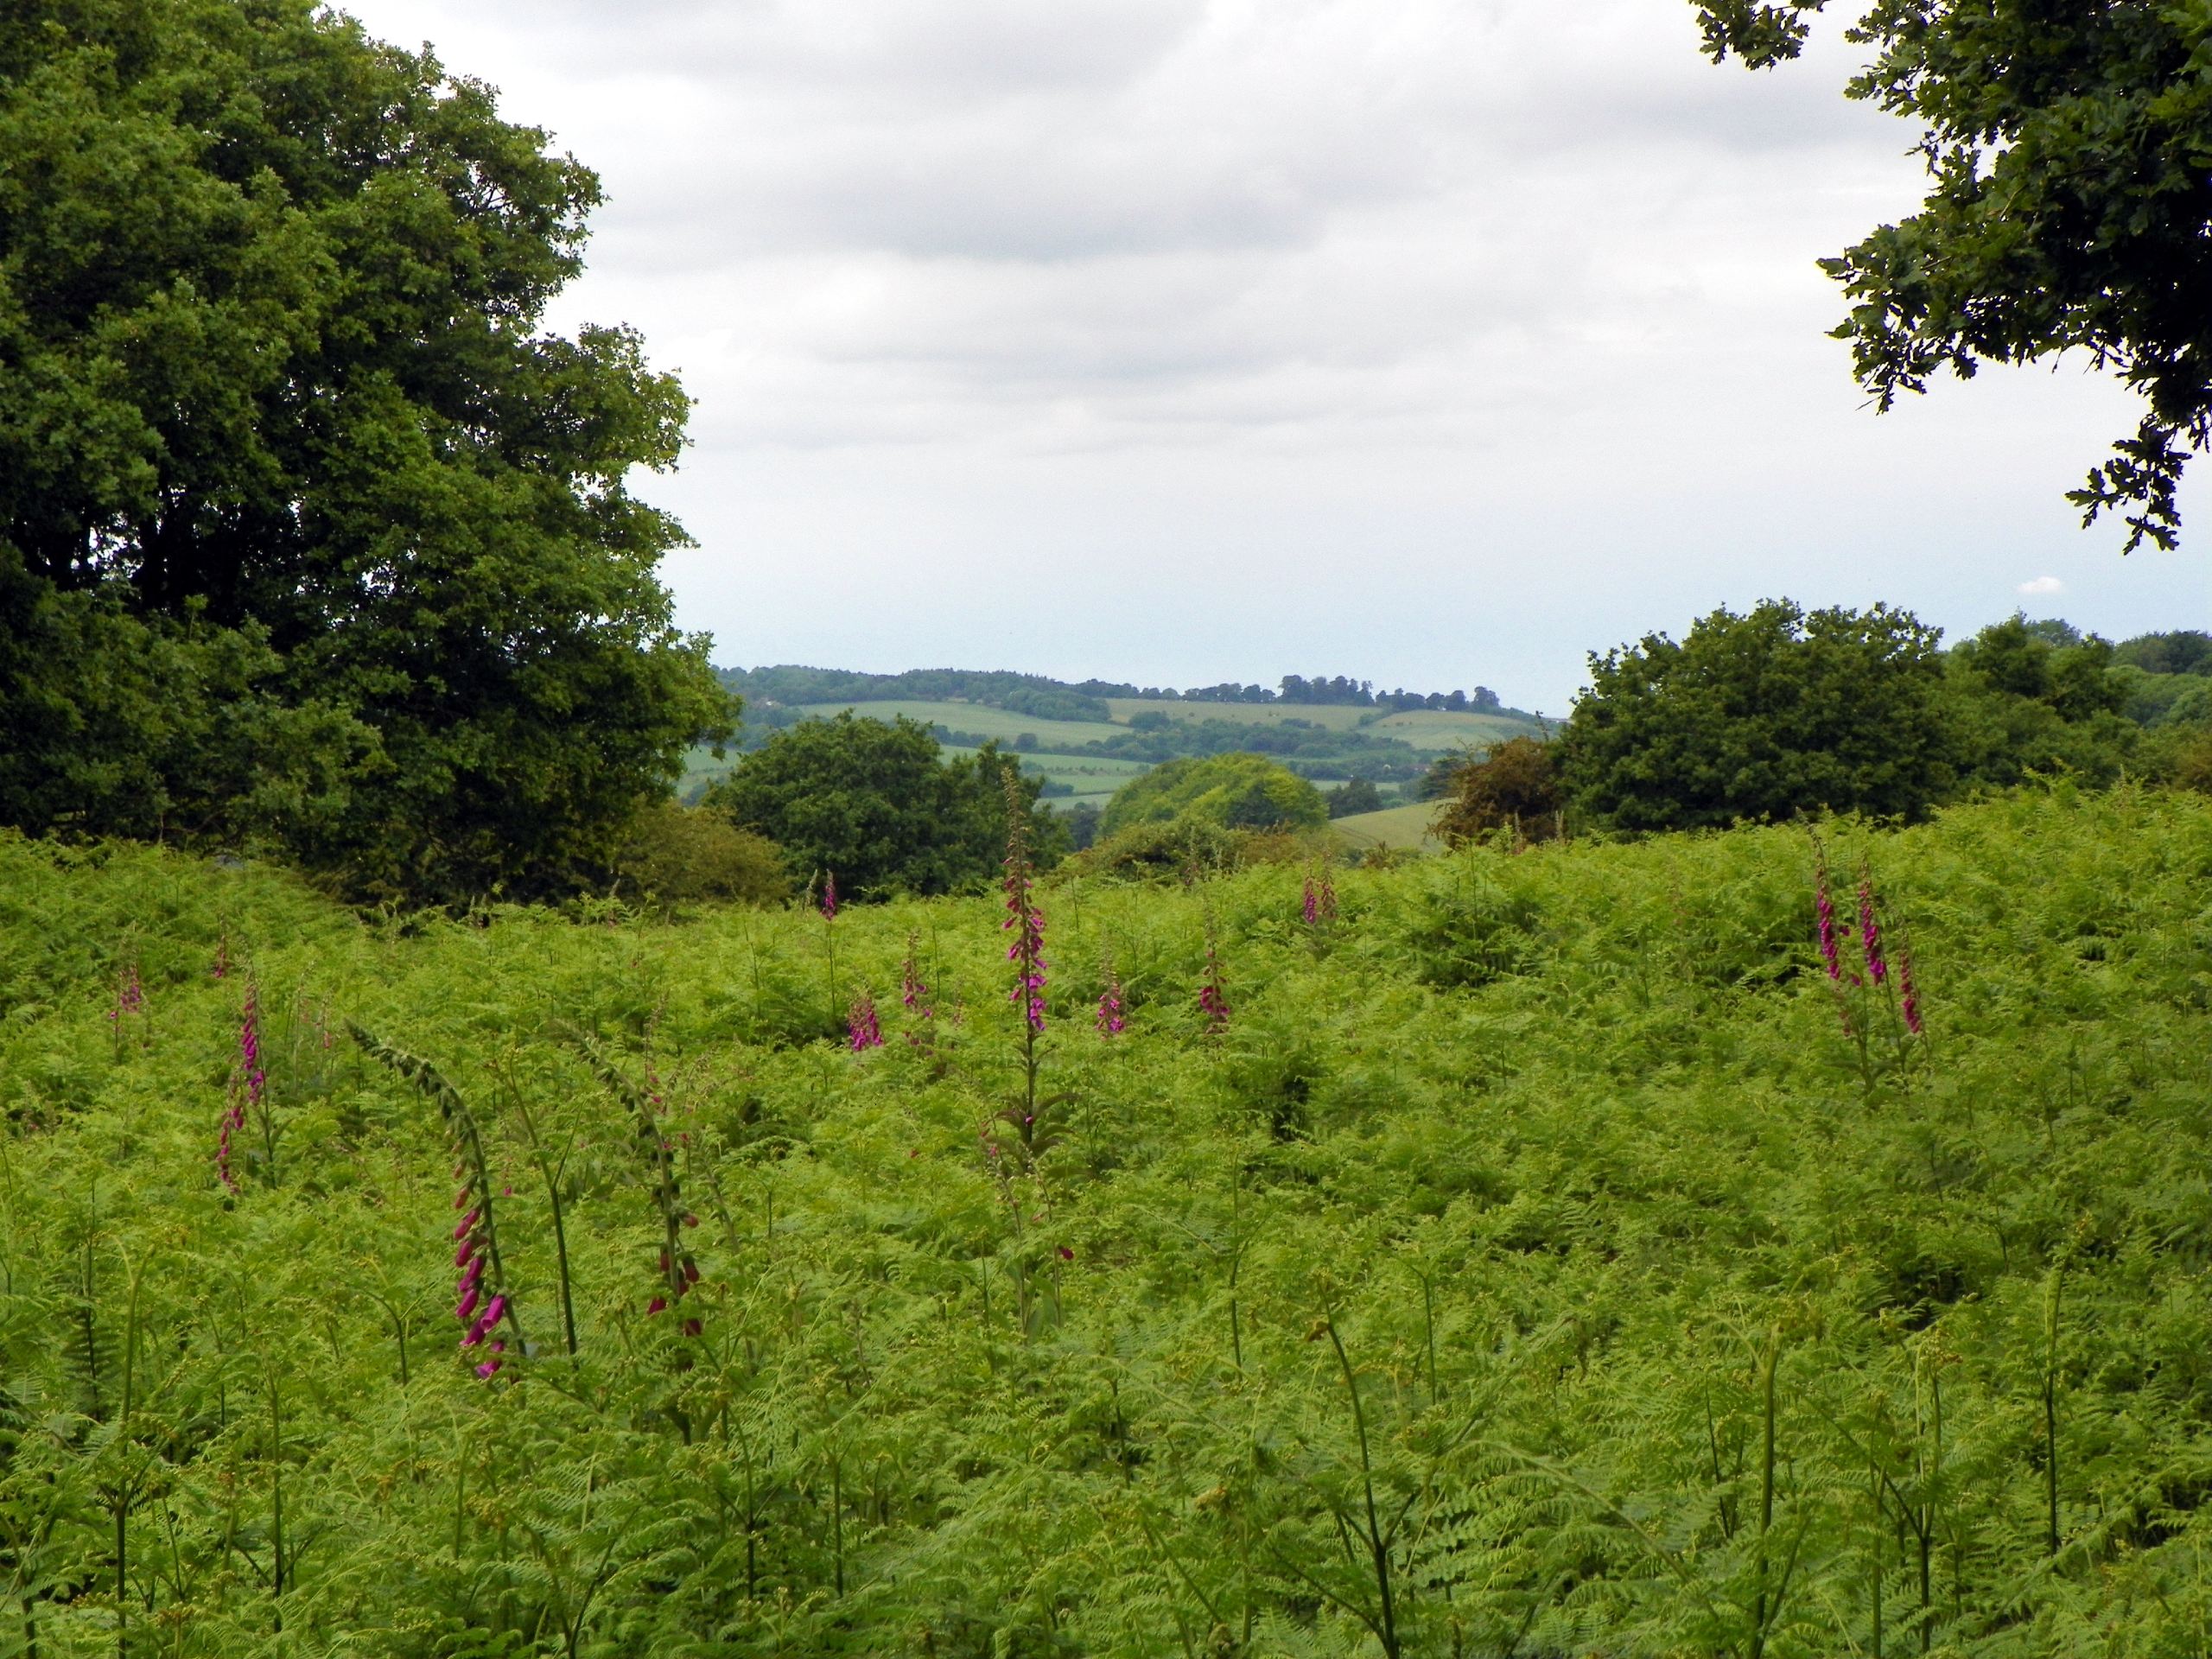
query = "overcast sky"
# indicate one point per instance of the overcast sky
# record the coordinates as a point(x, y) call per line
point(1434, 342)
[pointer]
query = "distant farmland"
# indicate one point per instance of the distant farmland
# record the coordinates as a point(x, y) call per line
point(1059, 746)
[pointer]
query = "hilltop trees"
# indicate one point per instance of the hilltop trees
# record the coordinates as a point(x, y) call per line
point(276, 411)
point(2067, 148)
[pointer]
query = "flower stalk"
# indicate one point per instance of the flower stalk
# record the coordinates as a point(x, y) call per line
point(483, 1306)
point(864, 1030)
point(1112, 1016)
point(1025, 920)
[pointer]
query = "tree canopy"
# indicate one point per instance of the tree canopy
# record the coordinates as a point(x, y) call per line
point(1232, 791)
point(274, 394)
point(1762, 716)
point(876, 804)
point(2070, 153)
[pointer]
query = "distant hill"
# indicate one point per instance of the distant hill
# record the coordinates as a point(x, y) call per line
point(1047, 698)
point(1087, 737)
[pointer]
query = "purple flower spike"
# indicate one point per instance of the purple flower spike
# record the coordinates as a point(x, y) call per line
point(1111, 1019)
point(1870, 930)
point(863, 1028)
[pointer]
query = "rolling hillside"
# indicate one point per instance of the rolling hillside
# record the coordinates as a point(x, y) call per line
point(1325, 742)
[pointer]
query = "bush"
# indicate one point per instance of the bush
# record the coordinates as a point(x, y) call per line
point(1150, 851)
point(1237, 790)
point(1516, 785)
point(682, 855)
point(877, 805)
point(1358, 795)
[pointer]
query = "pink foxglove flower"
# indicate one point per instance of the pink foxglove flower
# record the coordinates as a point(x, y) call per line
point(863, 1028)
point(1024, 919)
point(1111, 1019)
point(1870, 930)
point(1824, 907)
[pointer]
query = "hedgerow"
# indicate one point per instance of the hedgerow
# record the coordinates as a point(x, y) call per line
point(1545, 1255)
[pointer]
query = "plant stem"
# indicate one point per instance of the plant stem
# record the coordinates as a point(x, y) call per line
point(1378, 1550)
point(1766, 1491)
point(2050, 1411)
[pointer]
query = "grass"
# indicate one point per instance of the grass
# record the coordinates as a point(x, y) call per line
point(1095, 777)
point(1548, 1258)
point(1433, 729)
point(1398, 827)
point(1436, 728)
point(979, 718)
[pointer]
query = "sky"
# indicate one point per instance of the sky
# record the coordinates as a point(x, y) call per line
point(1432, 342)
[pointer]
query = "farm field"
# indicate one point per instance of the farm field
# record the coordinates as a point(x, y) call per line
point(1399, 827)
point(980, 718)
point(1095, 778)
point(1437, 728)
point(1544, 1257)
point(1434, 729)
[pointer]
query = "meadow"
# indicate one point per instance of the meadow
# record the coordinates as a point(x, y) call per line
point(1092, 778)
point(1575, 1252)
point(1402, 828)
point(1058, 756)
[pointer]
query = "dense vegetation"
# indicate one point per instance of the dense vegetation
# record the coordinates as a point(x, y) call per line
point(1539, 1255)
point(1229, 792)
point(309, 535)
point(873, 805)
point(1778, 711)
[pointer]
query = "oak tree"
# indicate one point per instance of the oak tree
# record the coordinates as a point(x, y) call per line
point(2068, 149)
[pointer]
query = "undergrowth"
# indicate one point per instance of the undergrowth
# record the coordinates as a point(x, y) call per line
point(1546, 1257)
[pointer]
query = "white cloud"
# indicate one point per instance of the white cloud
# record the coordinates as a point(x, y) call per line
point(2041, 587)
point(1437, 341)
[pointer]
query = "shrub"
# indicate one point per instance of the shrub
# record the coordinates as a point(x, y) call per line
point(877, 804)
point(1237, 790)
point(1516, 785)
point(682, 855)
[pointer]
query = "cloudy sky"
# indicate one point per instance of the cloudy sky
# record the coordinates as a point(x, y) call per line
point(1429, 342)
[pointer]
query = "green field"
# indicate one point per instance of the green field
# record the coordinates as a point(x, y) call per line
point(1435, 728)
point(977, 717)
point(1553, 1221)
point(1094, 776)
point(1432, 729)
point(1399, 827)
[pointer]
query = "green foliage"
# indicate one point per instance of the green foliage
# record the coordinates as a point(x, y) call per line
point(2066, 151)
point(872, 803)
point(114, 726)
point(1764, 716)
point(1514, 786)
point(1231, 792)
point(1033, 695)
point(1358, 795)
point(1535, 1264)
point(684, 854)
point(2186, 651)
point(271, 373)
